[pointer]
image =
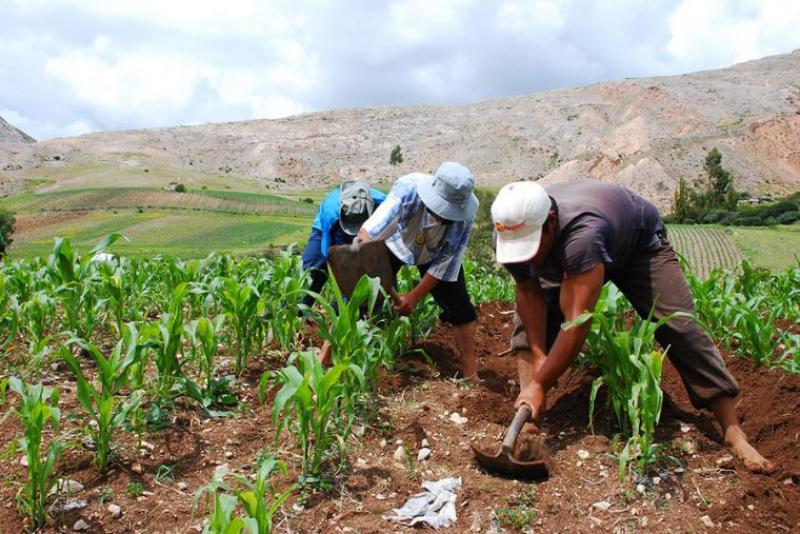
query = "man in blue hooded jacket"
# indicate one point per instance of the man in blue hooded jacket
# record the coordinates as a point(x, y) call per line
point(338, 220)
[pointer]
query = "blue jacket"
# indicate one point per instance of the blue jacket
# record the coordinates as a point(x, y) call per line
point(328, 215)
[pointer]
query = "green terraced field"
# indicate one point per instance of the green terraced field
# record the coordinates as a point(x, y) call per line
point(181, 233)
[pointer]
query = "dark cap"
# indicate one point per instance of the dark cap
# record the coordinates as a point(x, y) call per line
point(355, 205)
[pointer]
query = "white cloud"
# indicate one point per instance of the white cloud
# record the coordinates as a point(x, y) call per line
point(706, 33)
point(70, 66)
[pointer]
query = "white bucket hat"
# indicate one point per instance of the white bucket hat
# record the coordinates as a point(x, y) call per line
point(519, 212)
point(448, 193)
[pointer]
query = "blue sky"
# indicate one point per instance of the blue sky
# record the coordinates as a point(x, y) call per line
point(69, 67)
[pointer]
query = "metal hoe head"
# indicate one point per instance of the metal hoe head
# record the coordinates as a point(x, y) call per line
point(504, 463)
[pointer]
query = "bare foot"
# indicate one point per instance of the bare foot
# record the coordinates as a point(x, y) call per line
point(325, 354)
point(736, 439)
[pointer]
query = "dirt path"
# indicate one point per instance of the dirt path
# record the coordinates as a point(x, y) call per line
point(706, 487)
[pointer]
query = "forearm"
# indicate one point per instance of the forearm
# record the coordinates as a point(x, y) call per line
point(563, 352)
point(424, 287)
point(532, 310)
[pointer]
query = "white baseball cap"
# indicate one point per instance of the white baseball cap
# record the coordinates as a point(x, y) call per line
point(519, 212)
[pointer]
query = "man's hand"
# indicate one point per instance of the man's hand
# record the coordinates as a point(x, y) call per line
point(405, 305)
point(534, 396)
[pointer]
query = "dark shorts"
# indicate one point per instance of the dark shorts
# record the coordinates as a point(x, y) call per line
point(657, 277)
point(451, 297)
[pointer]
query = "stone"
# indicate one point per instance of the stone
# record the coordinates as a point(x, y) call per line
point(23, 461)
point(656, 481)
point(602, 505)
point(424, 443)
point(706, 520)
point(66, 486)
point(228, 455)
point(80, 525)
point(137, 468)
point(640, 488)
point(183, 486)
point(583, 455)
point(458, 419)
point(115, 510)
point(383, 444)
point(423, 454)
point(399, 453)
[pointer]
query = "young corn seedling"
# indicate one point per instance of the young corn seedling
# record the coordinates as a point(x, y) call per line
point(76, 280)
point(165, 340)
point(240, 301)
point(258, 499)
point(757, 335)
point(38, 409)
point(105, 406)
point(308, 404)
point(36, 316)
point(289, 282)
point(343, 326)
point(204, 334)
point(630, 368)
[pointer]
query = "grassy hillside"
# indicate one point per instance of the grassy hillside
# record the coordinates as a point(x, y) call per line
point(194, 223)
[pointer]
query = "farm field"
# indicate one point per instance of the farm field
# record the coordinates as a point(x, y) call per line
point(209, 371)
point(707, 246)
point(184, 233)
point(771, 248)
point(190, 224)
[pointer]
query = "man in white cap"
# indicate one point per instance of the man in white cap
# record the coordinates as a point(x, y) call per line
point(426, 221)
point(561, 245)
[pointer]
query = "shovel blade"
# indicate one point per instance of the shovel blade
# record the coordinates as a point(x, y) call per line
point(505, 465)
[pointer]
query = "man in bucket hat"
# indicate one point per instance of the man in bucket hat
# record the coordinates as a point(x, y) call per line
point(426, 221)
point(338, 220)
point(560, 245)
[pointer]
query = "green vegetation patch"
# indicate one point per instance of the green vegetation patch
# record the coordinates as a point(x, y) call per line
point(773, 248)
point(186, 234)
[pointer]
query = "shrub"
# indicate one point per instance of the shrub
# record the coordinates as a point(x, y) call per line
point(396, 157)
point(180, 188)
point(7, 222)
point(788, 217)
point(747, 221)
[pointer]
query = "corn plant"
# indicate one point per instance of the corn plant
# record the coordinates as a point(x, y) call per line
point(165, 340)
point(240, 301)
point(204, 334)
point(36, 316)
point(38, 409)
point(257, 498)
point(286, 280)
point(77, 284)
point(630, 368)
point(315, 396)
point(104, 405)
point(343, 326)
point(756, 334)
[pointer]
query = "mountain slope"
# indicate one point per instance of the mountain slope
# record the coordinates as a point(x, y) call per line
point(12, 134)
point(643, 133)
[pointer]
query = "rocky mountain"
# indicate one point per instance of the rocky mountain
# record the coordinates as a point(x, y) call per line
point(11, 134)
point(643, 133)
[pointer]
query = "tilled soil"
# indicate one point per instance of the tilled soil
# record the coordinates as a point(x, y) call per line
point(697, 487)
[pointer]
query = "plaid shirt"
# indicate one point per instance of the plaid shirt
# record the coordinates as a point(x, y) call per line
point(414, 235)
